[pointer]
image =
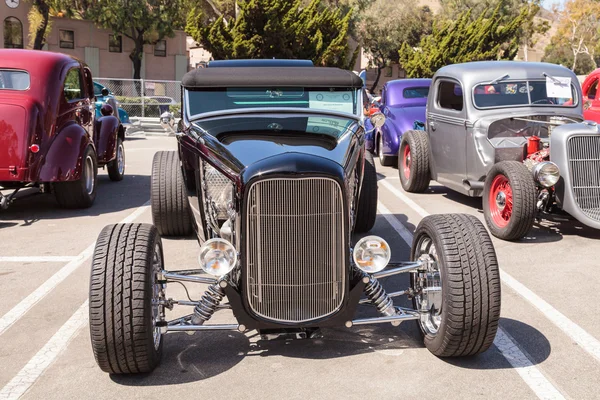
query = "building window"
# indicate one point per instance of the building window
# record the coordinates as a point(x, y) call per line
point(66, 39)
point(13, 33)
point(115, 43)
point(160, 48)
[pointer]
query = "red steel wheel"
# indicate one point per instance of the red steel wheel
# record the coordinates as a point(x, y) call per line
point(501, 201)
point(406, 161)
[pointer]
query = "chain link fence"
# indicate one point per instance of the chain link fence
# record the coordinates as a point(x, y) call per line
point(145, 99)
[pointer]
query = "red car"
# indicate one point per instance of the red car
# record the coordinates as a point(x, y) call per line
point(49, 137)
point(591, 97)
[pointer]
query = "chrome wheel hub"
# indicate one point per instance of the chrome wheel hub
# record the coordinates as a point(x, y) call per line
point(158, 296)
point(121, 159)
point(428, 287)
point(501, 200)
point(88, 170)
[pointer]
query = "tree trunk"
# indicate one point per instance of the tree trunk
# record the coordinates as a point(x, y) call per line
point(136, 57)
point(525, 50)
point(40, 33)
point(574, 61)
point(376, 80)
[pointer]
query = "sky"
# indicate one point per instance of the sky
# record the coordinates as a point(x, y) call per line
point(549, 3)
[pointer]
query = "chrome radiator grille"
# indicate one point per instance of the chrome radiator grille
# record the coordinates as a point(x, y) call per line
point(295, 248)
point(584, 163)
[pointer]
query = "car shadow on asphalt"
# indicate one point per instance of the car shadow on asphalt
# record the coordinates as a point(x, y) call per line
point(132, 192)
point(531, 342)
point(548, 228)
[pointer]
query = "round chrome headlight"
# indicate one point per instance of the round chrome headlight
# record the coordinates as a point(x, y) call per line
point(217, 257)
point(546, 174)
point(371, 254)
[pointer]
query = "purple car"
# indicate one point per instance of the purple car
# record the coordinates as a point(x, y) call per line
point(403, 102)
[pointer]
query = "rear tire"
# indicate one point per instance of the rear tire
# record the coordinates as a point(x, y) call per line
point(464, 317)
point(116, 168)
point(123, 290)
point(366, 211)
point(509, 183)
point(170, 208)
point(80, 193)
point(413, 161)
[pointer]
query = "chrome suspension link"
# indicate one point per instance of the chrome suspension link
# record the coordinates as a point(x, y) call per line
point(378, 297)
point(209, 303)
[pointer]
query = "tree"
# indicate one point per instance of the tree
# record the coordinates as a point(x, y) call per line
point(533, 25)
point(142, 21)
point(559, 52)
point(579, 26)
point(462, 41)
point(386, 25)
point(276, 28)
point(39, 20)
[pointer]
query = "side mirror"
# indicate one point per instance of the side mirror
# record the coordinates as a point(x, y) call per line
point(105, 92)
point(377, 119)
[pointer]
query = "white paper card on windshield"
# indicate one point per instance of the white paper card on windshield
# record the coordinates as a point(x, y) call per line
point(332, 101)
point(558, 87)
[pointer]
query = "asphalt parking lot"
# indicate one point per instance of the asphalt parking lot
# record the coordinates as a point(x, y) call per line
point(548, 345)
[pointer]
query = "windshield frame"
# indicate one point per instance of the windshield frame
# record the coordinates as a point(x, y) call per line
point(254, 110)
point(529, 104)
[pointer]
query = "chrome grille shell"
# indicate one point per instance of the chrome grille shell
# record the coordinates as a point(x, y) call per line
point(583, 155)
point(295, 268)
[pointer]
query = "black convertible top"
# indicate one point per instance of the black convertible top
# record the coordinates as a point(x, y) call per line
point(269, 77)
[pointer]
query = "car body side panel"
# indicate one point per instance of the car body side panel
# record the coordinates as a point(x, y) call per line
point(105, 138)
point(14, 141)
point(63, 161)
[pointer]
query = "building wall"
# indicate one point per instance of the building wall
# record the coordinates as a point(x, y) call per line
point(108, 64)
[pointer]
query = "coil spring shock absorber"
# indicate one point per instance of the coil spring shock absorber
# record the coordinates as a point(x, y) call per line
point(209, 302)
point(378, 296)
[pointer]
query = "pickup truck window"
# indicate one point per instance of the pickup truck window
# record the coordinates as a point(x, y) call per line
point(416, 92)
point(592, 92)
point(73, 85)
point(450, 96)
point(14, 80)
point(519, 93)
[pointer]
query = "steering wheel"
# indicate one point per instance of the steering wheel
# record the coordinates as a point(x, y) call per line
point(543, 101)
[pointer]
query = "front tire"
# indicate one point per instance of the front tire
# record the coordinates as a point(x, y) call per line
point(509, 200)
point(413, 161)
point(80, 193)
point(124, 296)
point(170, 208)
point(116, 168)
point(366, 211)
point(462, 318)
point(386, 161)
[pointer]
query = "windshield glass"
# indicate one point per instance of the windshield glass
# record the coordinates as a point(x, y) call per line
point(14, 80)
point(332, 99)
point(520, 93)
point(276, 125)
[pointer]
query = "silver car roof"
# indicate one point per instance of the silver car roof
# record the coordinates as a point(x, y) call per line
point(472, 73)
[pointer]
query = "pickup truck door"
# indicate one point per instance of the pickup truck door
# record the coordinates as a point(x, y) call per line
point(447, 133)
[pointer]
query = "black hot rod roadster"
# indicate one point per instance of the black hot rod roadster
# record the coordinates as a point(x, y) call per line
point(272, 175)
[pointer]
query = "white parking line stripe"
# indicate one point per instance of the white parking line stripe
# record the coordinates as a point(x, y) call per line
point(405, 199)
point(530, 374)
point(28, 302)
point(42, 360)
point(524, 367)
point(586, 341)
point(574, 331)
point(36, 259)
